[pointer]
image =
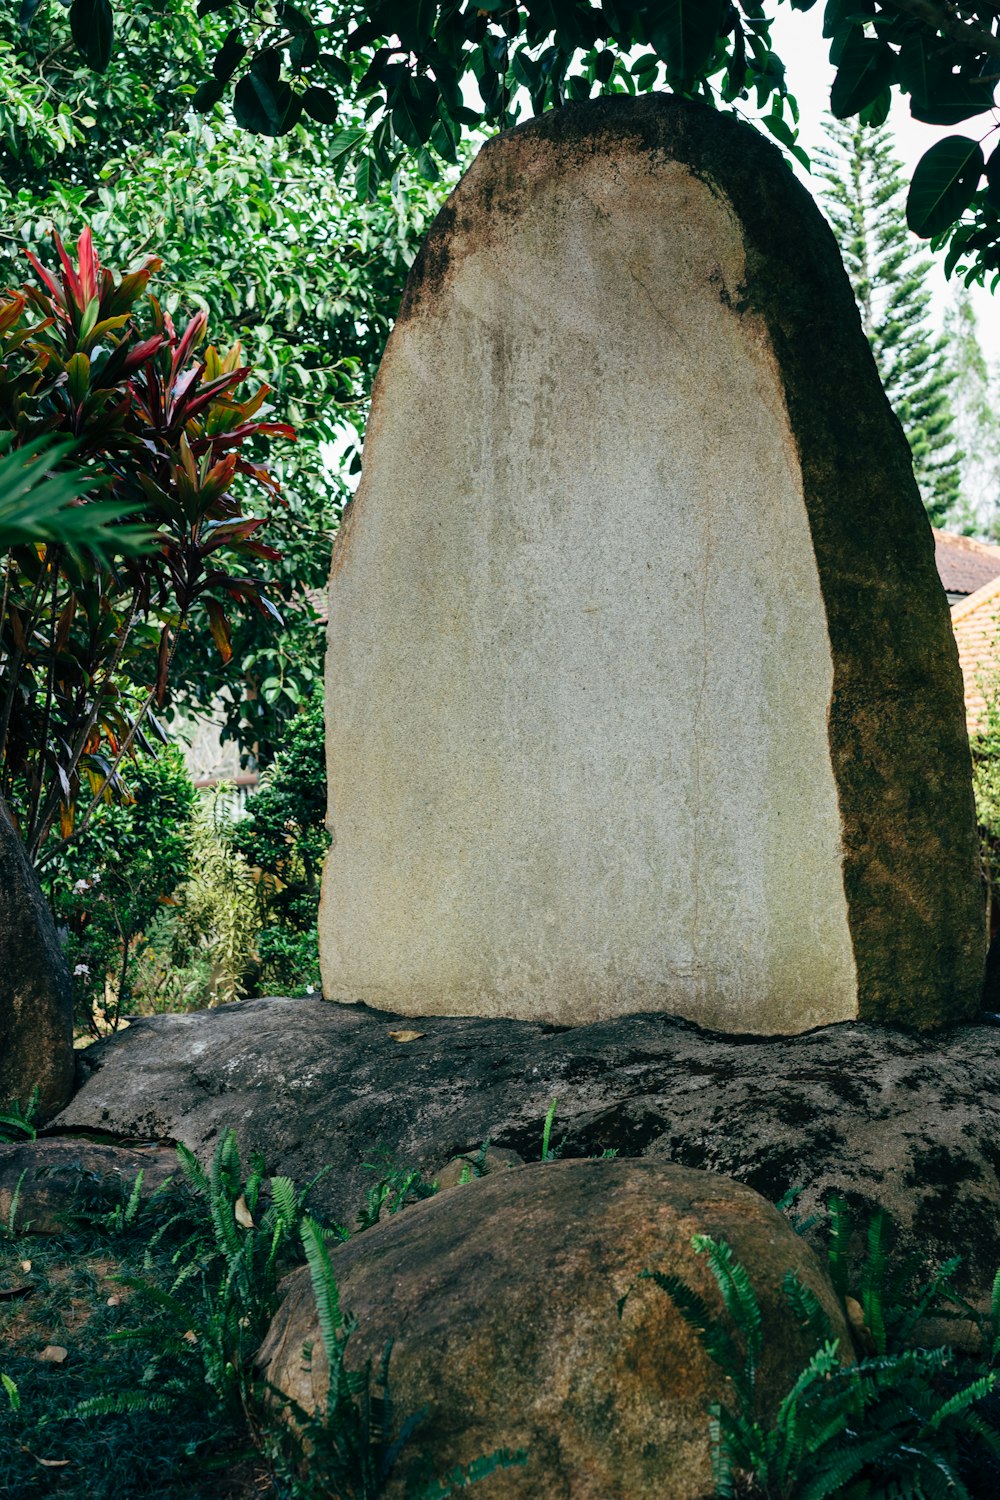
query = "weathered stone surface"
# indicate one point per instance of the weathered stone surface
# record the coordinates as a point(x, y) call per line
point(54, 1179)
point(889, 1118)
point(36, 992)
point(501, 1301)
point(641, 689)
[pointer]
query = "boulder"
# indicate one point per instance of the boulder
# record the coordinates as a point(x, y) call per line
point(890, 1119)
point(36, 992)
point(45, 1184)
point(502, 1304)
point(642, 692)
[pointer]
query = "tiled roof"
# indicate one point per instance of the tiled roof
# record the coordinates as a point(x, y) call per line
point(976, 622)
point(964, 565)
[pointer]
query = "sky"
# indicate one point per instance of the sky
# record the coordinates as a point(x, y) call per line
point(798, 39)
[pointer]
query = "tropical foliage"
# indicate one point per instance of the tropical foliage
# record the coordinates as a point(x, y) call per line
point(287, 63)
point(107, 890)
point(86, 648)
point(284, 838)
point(257, 233)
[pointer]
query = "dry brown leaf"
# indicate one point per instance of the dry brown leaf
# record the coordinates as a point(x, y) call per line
point(53, 1354)
point(26, 1265)
point(407, 1036)
point(190, 1337)
point(244, 1217)
point(47, 1463)
point(114, 1300)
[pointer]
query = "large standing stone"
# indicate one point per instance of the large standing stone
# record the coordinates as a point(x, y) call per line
point(36, 992)
point(641, 688)
point(501, 1301)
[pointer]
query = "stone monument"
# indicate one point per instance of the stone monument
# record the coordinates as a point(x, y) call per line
point(641, 689)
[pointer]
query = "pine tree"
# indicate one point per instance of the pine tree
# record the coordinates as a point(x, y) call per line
point(975, 398)
point(864, 195)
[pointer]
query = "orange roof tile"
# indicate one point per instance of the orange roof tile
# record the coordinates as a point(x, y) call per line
point(976, 623)
point(964, 565)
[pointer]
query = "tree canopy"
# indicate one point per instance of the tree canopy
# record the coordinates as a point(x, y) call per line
point(254, 231)
point(407, 62)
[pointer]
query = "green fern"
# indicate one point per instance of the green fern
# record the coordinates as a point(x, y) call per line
point(873, 1278)
point(876, 1429)
point(839, 1251)
point(17, 1124)
point(549, 1152)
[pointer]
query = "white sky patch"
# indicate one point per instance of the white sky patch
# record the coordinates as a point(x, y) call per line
point(798, 39)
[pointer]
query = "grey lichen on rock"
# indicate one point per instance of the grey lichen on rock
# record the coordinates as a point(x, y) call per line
point(36, 992)
point(642, 692)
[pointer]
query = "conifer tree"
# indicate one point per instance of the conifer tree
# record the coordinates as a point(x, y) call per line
point(975, 399)
point(864, 196)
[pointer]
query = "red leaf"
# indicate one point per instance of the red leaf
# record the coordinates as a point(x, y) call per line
point(89, 266)
point(187, 342)
point(139, 353)
point(49, 281)
point(70, 277)
point(162, 665)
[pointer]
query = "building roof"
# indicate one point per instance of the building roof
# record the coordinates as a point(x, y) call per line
point(976, 623)
point(964, 565)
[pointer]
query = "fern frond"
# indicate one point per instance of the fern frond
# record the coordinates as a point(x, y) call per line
point(840, 1245)
point(120, 1404)
point(461, 1477)
point(960, 1402)
point(324, 1285)
point(285, 1202)
point(192, 1169)
point(711, 1334)
point(807, 1307)
point(873, 1278)
point(740, 1300)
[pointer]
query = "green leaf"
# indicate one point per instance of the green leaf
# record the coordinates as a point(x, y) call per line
point(684, 34)
point(367, 178)
point(937, 95)
point(877, 112)
point(93, 28)
point(320, 105)
point(229, 56)
point(264, 105)
point(866, 67)
point(944, 184)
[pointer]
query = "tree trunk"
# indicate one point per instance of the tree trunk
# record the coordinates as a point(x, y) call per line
point(36, 992)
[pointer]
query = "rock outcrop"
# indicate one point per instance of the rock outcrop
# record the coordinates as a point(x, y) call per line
point(884, 1117)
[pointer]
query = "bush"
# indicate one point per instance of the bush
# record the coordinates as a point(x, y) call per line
point(203, 945)
point(284, 838)
point(106, 891)
point(86, 645)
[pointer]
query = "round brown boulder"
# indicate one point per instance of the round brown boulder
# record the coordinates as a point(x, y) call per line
point(502, 1302)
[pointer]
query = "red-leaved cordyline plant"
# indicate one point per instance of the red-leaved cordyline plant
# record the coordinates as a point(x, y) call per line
point(86, 647)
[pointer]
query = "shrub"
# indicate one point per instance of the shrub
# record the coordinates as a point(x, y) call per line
point(106, 891)
point(203, 945)
point(284, 838)
point(86, 356)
